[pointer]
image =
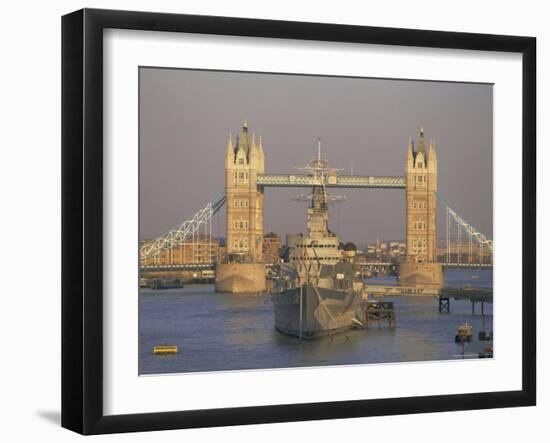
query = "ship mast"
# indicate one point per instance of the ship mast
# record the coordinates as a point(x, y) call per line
point(319, 197)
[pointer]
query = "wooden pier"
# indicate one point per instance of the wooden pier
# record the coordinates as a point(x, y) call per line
point(443, 295)
point(376, 312)
point(387, 290)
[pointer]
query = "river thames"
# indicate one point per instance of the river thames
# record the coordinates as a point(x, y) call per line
point(219, 332)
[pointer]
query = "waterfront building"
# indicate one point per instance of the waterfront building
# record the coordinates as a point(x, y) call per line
point(271, 248)
point(201, 249)
point(349, 251)
point(392, 250)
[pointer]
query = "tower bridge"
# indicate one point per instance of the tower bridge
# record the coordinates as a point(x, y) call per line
point(245, 184)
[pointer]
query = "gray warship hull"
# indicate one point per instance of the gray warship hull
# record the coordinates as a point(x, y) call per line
point(310, 312)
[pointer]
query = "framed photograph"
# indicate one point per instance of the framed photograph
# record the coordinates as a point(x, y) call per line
point(269, 221)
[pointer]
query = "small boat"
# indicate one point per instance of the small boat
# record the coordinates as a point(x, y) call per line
point(165, 349)
point(464, 333)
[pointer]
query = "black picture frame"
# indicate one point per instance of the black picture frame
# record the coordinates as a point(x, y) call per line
point(82, 218)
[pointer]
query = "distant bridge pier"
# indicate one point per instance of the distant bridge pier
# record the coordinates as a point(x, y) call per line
point(241, 278)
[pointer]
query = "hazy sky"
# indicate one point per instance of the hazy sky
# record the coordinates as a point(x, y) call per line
point(185, 116)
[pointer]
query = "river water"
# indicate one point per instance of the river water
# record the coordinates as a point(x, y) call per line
point(216, 331)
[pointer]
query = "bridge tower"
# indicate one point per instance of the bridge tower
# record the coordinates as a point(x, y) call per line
point(420, 266)
point(243, 270)
point(244, 200)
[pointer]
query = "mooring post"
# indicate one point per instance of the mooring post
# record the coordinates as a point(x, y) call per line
point(444, 304)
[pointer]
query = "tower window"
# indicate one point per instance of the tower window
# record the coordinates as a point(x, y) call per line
point(241, 161)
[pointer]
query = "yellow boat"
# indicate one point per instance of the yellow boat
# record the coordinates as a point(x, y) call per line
point(166, 349)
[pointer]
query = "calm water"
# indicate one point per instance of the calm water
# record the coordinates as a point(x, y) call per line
point(223, 332)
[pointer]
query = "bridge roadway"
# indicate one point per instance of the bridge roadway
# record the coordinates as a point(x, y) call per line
point(331, 180)
point(388, 265)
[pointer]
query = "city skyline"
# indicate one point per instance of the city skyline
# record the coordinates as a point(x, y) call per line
point(364, 125)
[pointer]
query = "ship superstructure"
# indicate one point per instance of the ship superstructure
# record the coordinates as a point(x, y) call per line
point(316, 292)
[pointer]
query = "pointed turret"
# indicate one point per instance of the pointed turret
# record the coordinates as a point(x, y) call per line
point(261, 156)
point(432, 157)
point(261, 147)
point(243, 138)
point(253, 153)
point(410, 154)
point(230, 149)
point(421, 144)
point(229, 152)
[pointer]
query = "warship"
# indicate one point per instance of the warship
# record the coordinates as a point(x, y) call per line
point(317, 290)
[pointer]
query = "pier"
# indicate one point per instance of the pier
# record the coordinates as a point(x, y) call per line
point(443, 295)
point(376, 312)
